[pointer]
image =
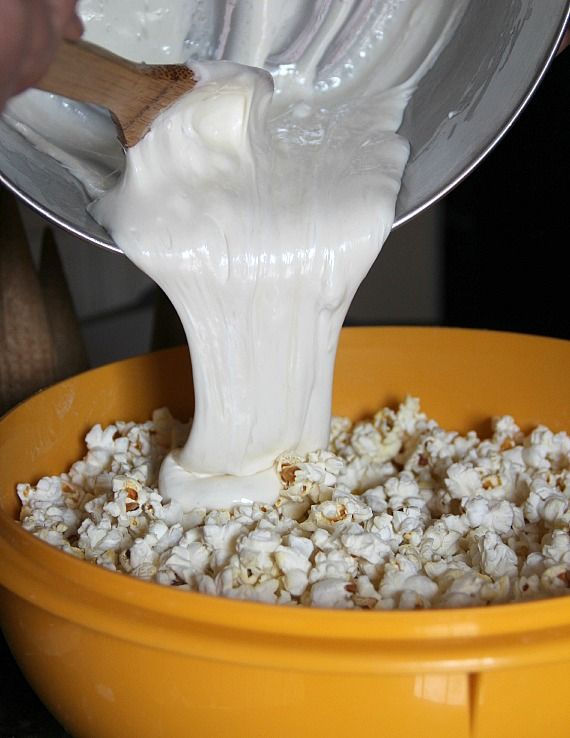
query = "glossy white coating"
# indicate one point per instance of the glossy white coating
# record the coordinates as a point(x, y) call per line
point(258, 202)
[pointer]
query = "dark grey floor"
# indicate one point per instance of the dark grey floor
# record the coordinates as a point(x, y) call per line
point(22, 715)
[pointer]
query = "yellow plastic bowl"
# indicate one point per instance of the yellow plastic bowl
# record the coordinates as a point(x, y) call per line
point(112, 656)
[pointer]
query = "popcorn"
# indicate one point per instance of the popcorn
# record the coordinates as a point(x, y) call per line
point(221, 538)
point(294, 560)
point(556, 547)
point(439, 541)
point(463, 481)
point(333, 564)
point(498, 516)
point(544, 502)
point(367, 546)
point(396, 513)
point(495, 557)
point(185, 561)
point(331, 592)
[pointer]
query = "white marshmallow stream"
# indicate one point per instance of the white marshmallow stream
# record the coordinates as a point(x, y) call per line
point(259, 213)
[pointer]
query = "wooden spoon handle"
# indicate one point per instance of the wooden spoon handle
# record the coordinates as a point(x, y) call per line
point(82, 71)
point(134, 93)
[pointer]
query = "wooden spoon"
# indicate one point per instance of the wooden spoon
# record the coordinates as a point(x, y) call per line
point(134, 93)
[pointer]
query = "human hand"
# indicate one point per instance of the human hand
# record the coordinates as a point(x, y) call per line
point(30, 31)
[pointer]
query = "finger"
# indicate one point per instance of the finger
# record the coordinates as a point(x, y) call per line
point(64, 18)
point(47, 23)
point(73, 30)
point(36, 50)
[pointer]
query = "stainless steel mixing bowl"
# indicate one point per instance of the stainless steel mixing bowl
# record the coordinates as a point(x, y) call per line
point(461, 109)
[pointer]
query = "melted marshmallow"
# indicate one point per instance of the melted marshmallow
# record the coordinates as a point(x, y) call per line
point(259, 212)
point(243, 243)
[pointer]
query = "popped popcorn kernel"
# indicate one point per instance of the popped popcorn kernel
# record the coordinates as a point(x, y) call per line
point(397, 513)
